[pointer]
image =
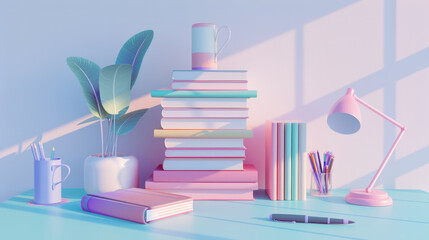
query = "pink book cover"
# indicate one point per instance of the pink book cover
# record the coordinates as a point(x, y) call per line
point(249, 174)
point(150, 184)
point(224, 195)
point(281, 161)
point(131, 204)
point(271, 159)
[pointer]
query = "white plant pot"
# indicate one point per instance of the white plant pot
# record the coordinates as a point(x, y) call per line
point(110, 173)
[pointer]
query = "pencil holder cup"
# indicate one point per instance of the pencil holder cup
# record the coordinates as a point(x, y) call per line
point(47, 181)
point(321, 184)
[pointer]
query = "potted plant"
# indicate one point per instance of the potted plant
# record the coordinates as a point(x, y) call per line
point(108, 92)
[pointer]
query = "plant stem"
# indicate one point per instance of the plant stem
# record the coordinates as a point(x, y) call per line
point(114, 135)
point(102, 137)
point(109, 121)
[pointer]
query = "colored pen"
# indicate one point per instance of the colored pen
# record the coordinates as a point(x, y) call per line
point(33, 149)
point(320, 164)
point(52, 153)
point(42, 151)
point(292, 218)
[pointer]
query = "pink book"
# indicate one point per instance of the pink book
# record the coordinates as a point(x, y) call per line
point(137, 205)
point(209, 85)
point(271, 159)
point(150, 184)
point(249, 174)
point(213, 194)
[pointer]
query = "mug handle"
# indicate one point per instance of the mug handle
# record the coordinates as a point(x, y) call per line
point(227, 40)
point(54, 168)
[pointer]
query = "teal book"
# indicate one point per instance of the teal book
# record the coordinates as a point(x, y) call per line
point(204, 94)
point(288, 161)
point(294, 159)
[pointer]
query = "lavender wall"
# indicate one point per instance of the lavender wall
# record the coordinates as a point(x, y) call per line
point(301, 57)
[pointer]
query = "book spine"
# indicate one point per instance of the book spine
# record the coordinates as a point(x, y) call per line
point(150, 184)
point(294, 161)
point(193, 75)
point(111, 208)
point(225, 195)
point(198, 123)
point(206, 164)
point(249, 174)
point(209, 103)
point(302, 149)
point(271, 161)
point(288, 161)
point(280, 161)
point(189, 133)
point(204, 94)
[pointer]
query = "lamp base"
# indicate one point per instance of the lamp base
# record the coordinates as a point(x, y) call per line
point(375, 198)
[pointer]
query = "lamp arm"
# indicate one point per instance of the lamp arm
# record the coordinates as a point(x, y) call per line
point(392, 148)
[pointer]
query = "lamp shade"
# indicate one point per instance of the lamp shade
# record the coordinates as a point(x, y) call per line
point(344, 116)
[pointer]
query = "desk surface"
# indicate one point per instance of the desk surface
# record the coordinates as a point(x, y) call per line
point(407, 218)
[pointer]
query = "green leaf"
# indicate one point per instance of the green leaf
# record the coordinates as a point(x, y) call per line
point(127, 122)
point(87, 73)
point(115, 88)
point(133, 51)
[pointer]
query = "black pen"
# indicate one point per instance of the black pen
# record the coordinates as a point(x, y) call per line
point(292, 218)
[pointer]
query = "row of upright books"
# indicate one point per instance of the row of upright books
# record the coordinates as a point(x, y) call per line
point(204, 125)
point(285, 168)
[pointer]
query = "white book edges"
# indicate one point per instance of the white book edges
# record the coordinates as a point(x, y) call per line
point(204, 113)
point(203, 142)
point(205, 153)
point(205, 164)
point(198, 123)
point(204, 103)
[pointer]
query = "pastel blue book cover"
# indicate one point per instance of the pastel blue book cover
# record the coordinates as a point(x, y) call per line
point(288, 161)
point(294, 153)
point(202, 94)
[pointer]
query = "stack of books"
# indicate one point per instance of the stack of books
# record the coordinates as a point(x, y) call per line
point(285, 169)
point(204, 123)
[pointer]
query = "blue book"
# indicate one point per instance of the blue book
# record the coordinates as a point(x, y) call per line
point(204, 94)
point(294, 153)
point(288, 161)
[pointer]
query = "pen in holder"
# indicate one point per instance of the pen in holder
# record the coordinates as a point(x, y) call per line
point(47, 181)
point(321, 184)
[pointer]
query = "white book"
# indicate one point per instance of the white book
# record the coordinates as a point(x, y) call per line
point(180, 152)
point(202, 164)
point(204, 123)
point(209, 75)
point(205, 113)
point(203, 142)
point(208, 86)
point(302, 158)
point(204, 103)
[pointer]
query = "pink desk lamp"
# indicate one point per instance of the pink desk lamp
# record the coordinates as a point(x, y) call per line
point(344, 118)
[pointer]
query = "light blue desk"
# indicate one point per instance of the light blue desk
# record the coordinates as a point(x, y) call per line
point(408, 218)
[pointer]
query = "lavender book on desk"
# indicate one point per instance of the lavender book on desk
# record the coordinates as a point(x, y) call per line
point(137, 205)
